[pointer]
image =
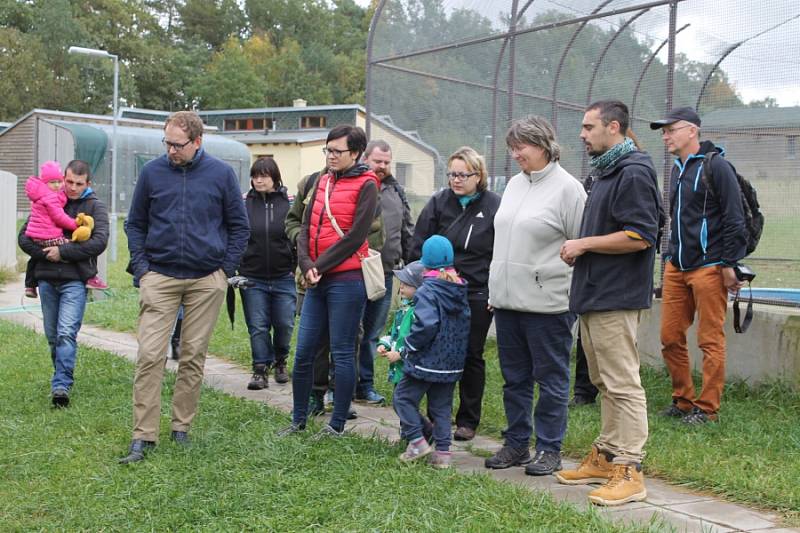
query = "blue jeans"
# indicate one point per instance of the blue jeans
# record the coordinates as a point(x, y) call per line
point(269, 304)
point(63, 305)
point(407, 396)
point(340, 305)
point(534, 348)
point(375, 314)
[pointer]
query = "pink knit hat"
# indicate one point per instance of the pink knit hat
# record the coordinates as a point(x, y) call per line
point(51, 171)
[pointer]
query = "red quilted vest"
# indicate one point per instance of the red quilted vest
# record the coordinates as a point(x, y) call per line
point(343, 198)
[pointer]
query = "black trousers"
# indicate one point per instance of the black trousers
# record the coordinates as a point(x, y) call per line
point(473, 381)
point(583, 385)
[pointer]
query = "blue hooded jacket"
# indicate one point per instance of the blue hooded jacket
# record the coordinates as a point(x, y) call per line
point(436, 347)
point(707, 227)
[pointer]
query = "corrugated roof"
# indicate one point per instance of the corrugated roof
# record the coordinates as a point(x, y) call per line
point(280, 136)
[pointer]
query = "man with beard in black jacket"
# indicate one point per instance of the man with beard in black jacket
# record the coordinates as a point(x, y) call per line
point(611, 284)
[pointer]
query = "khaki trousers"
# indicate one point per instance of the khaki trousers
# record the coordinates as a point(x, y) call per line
point(159, 299)
point(700, 291)
point(609, 340)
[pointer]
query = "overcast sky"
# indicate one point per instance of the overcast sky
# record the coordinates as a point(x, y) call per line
point(764, 65)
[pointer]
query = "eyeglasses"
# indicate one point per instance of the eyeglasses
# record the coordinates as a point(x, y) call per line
point(175, 146)
point(460, 176)
point(333, 152)
point(670, 131)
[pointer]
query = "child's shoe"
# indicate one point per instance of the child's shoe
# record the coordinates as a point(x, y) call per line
point(31, 292)
point(440, 459)
point(96, 283)
point(416, 450)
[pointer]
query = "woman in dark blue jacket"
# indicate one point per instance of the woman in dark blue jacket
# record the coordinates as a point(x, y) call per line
point(269, 262)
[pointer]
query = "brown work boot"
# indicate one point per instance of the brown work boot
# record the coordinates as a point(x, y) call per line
point(595, 468)
point(626, 485)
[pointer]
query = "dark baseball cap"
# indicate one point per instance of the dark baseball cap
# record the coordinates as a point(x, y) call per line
point(412, 274)
point(679, 113)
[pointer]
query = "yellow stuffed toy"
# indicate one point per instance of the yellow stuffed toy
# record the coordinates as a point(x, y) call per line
point(85, 226)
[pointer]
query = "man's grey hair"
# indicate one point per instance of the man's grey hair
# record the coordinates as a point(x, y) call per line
point(537, 131)
point(380, 144)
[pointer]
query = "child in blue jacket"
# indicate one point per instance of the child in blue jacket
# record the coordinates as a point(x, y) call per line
point(433, 354)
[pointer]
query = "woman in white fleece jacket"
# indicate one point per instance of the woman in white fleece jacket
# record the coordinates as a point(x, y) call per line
point(529, 285)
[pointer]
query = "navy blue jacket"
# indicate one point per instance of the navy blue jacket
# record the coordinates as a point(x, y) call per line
point(623, 197)
point(269, 252)
point(436, 346)
point(707, 227)
point(187, 221)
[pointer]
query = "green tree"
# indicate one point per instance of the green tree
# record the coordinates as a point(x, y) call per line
point(229, 80)
point(212, 21)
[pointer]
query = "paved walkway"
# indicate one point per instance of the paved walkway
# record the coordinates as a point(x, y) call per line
point(679, 508)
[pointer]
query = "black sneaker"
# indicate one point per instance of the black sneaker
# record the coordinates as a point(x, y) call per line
point(506, 457)
point(673, 411)
point(259, 381)
point(698, 417)
point(60, 398)
point(281, 374)
point(544, 463)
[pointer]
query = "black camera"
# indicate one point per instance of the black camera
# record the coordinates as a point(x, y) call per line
point(744, 273)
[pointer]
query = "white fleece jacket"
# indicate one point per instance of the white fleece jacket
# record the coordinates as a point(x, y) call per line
point(538, 212)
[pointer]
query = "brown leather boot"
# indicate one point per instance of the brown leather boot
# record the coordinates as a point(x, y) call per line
point(626, 485)
point(595, 468)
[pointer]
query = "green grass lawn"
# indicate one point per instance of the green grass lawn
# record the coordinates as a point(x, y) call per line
point(753, 456)
point(58, 468)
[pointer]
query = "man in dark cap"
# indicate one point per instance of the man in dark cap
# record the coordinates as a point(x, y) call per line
point(707, 239)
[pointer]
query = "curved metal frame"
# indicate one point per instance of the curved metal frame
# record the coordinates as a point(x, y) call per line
point(647, 67)
point(600, 58)
point(578, 30)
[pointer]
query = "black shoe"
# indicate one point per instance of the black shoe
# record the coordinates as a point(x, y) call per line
point(281, 374)
point(673, 411)
point(181, 437)
point(506, 457)
point(577, 401)
point(60, 398)
point(544, 463)
point(259, 381)
point(698, 417)
point(137, 450)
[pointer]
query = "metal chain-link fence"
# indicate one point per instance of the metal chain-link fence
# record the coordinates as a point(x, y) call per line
point(458, 71)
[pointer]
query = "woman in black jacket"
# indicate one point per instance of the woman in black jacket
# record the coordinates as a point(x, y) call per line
point(269, 263)
point(464, 213)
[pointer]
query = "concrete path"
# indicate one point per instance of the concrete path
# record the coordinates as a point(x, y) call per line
point(675, 507)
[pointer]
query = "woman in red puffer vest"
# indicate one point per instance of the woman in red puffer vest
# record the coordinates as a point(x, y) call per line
point(331, 265)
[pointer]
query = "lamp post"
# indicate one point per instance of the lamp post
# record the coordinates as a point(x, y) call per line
point(102, 53)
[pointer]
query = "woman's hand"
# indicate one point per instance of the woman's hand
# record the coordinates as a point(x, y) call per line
point(393, 357)
point(381, 350)
point(312, 277)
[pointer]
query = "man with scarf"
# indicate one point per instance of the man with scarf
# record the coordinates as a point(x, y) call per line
point(611, 284)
